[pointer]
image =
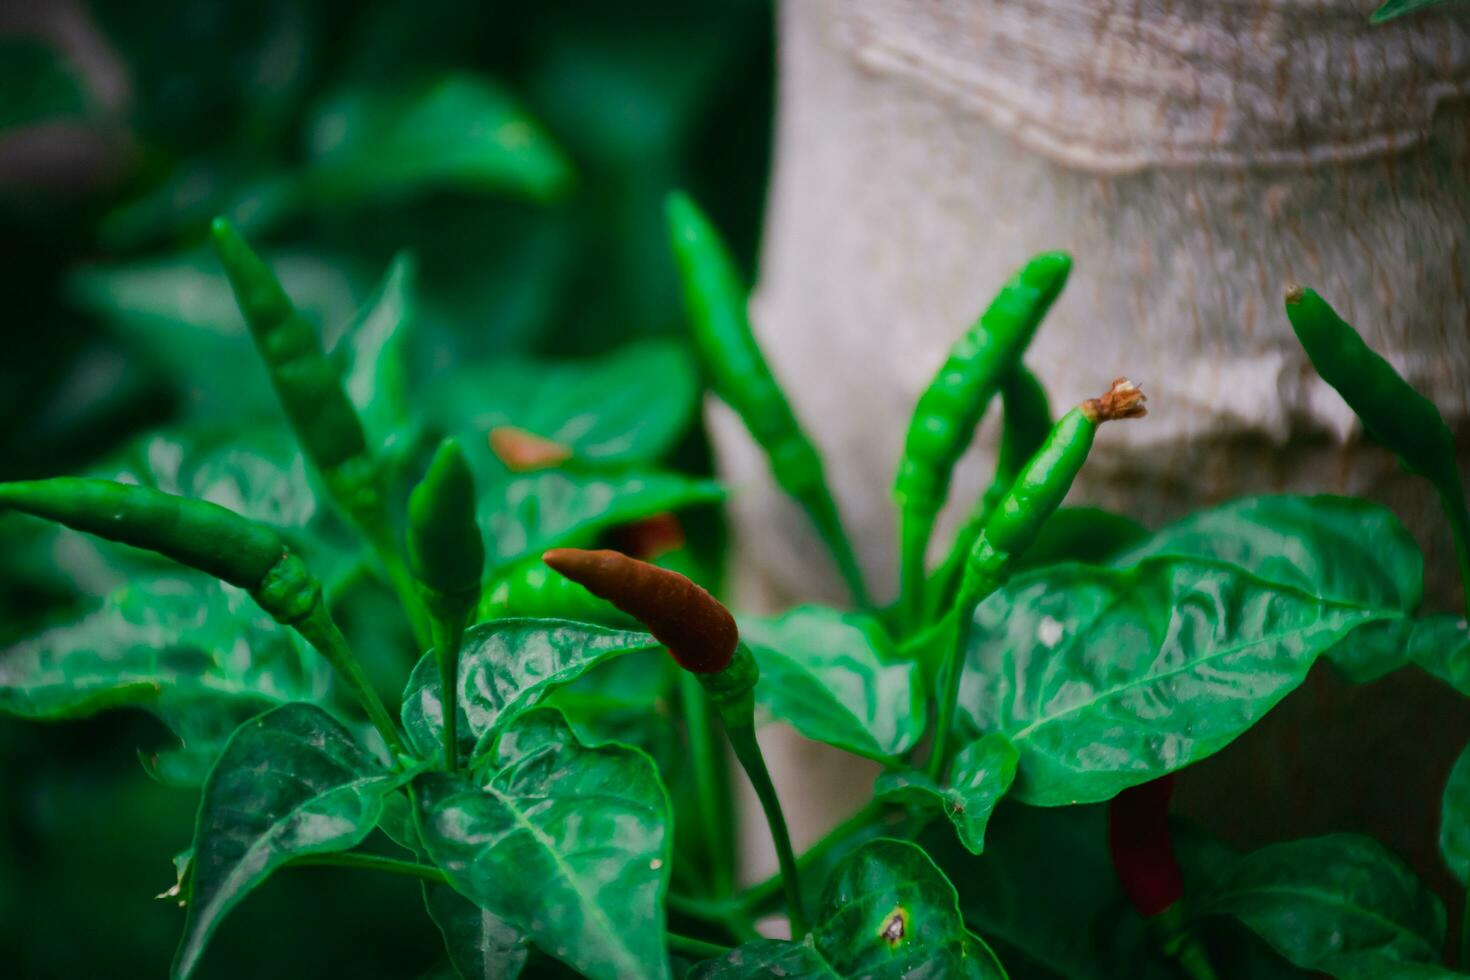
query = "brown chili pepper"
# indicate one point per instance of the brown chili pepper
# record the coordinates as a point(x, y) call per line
point(698, 630)
point(523, 451)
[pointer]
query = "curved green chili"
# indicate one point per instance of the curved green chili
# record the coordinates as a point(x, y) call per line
point(310, 392)
point(447, 557)
point(715, 301)
point(531, 589)
point(1027, 423)
point(214, 540)
point(951, 407)
point(1032, 498)
point(1392, 411)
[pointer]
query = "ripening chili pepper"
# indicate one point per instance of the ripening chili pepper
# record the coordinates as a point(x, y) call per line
point(715, 303)
point(1391, 410)
point(1032, 498)
point(1027, 422)
point(702, 636)
point(523, 451)
point(214, 540)
point(447, 557)
point(951, 407)
point(649, 537)
point(1142, 849)
point(310, 392)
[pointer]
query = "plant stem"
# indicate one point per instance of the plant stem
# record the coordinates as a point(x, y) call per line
point(949, 680)
point(707, 772)
point(748, 751)
point(728, 914)
point(321, 631)
point(371, 862)
point(915, 527)
point(380, 535)
point(757, 894)
point(822, 510)
point(448, 635)
point(695, 948)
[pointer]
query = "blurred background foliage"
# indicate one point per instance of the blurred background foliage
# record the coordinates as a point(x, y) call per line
point(514, 155)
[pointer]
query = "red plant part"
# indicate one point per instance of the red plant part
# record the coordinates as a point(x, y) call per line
point(523, 451)
point(650, 537)
point(1142, 849)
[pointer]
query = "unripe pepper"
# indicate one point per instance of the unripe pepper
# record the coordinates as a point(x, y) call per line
point(715, 302)
point(214, 540)
point(951, 407)
point(447, 557)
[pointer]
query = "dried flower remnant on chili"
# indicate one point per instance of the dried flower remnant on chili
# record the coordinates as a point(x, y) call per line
point(1124, 400)
point(523, 451)
point(699, 632)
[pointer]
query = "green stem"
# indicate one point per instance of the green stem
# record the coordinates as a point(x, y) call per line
point(728, 914)
point(321, 631)
point(822, 510)
point(371, 862)
point(915, 527)
point(761, 892)
point(1459, 518)
point(748, 751)
point(695, 948)
point(380, 535)
point(448, 636)
point(707, 773)
point(949, 683)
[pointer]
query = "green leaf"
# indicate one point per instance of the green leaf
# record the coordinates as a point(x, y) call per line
point(506, 667)
point(1104, 679)
point(1341, 904)
point(480, 944)
point(980, 775)
point(198, 654)
point(629, 406)
point(887, 911)
point(289, 783)
point(180, 312)
point(835, 678)
point(1397, 8)
point(373, 353)
point(525, 515)
point(1454, 819)
point(567, 842)
point(1440, 645)
point(458, 132)
point(38, 83)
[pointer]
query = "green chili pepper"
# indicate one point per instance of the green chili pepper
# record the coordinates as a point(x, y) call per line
point(447, 557)
point(702, 637)
point(715, 301)
point(530, 589)
point(1391, 410)
point(1032, 498)
point(951, 407)
point(310, 392)
point(214, 540)
point(1027, 422)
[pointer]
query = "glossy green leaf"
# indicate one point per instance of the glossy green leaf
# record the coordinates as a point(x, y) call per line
point(1440, 645)
point(1104, 679)
point(198, 654)
point(506, 667)
point(1397, 8)
point(373, 352)
point(1341, 904)
point(290, 782)
point(979, 776)
point(459, 132)
point(628, 406)
point(525, 515)
point(569, 843)
point(835, 678)
point(180, 312)
point(479, 943)
point(887, 911)
point(1454, 819)
point(38, 83)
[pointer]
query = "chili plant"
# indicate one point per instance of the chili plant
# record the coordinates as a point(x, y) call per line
point(557, 783)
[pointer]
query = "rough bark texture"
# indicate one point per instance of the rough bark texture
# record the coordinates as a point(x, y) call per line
point(1194, 157)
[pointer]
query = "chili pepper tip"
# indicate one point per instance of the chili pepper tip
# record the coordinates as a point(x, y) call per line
point(1124, 400)
point(1294, 293)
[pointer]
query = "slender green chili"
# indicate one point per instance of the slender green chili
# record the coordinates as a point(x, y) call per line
point(1032, 498)
point(1391, 410)
point(214, 540)
point(715, 301)
point(951, 407)
point(531, 589)
point(702, 637)
point(310, 392)
point(447, 557)
point(1027, 422)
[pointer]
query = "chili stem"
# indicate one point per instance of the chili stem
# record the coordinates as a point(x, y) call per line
point(748, 751)
point(915, 527)
point(757, 894)
point(949, 685)
point(707, 771)
point(695, 948)
point(371, 862)
point(323, 633)
point(822, 510)
point(448, 636)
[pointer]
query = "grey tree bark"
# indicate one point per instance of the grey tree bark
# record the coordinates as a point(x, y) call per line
point(1194, 156)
